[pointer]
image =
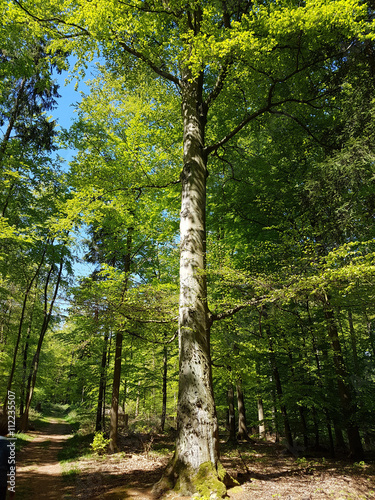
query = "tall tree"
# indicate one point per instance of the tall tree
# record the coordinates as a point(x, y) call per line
point(233, 60)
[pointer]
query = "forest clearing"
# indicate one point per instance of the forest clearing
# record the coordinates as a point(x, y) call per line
point(187, 247)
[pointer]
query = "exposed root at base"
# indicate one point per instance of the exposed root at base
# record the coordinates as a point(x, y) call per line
point(183, 479)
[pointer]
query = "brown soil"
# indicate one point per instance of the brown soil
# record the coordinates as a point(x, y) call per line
point(262, 469)
point(39, 473)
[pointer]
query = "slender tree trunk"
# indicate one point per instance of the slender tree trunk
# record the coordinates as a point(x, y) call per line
point(243, 433)
point(113, 429)
point(279, 391)
point(165, 378)
point(231, 416)
point(320, 381)
point(275, 419)
point(99, 420)
point(353, 341)
point(24, 363)
point(138, 398)
point(35, 363)
point(339, 437)
point(348, 406)
point(105, 380)
point(262, 430)
point(115, 393)
point(23, 312)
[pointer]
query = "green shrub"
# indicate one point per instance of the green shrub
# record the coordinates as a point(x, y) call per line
point(99, 444)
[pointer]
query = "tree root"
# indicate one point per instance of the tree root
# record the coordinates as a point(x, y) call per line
point(183, 479)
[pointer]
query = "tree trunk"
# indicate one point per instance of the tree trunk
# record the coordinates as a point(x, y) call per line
point(113, 429)
point(348, 406)
point(105, 379)
point(113, 426)
point(243, 433)
point(197, 445)
point(138, 399)
point(24, 424)
point(15, 352)
point(353, 342)
point(99, 419)
point(279, 392)
point(231, 416)
point(165, 377)
point(262, 430)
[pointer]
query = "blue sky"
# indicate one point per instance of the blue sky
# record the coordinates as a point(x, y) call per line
point(70, 96)
point(64, 115)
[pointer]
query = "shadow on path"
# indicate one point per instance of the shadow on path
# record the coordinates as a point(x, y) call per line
point(39, 474)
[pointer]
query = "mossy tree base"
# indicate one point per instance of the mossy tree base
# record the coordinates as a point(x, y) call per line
point(183, 479)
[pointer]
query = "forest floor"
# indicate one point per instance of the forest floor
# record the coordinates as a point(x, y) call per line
point(57, 465)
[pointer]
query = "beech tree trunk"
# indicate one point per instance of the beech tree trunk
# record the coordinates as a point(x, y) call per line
point(197, 444)
point(243, 433)
point(197, 441)
point(262, 429)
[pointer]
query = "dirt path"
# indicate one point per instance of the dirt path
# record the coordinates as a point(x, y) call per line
point(39, 473)
point(262, 470)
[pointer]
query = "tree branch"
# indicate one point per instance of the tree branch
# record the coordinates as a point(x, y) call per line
point(219, 84)
point(302, 125)
point(240, 126)
point(133, 334)
point(236, 309)
point(164, 74)
point(51, 19)
point(157, 321)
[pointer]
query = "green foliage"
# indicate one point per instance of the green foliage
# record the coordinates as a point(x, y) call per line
point(290, 202)
point(99, 444)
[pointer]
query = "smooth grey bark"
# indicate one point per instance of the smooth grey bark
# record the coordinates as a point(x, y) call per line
point(197, 440)
point(262, 429)
point(197, 444)
point(243, 432)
